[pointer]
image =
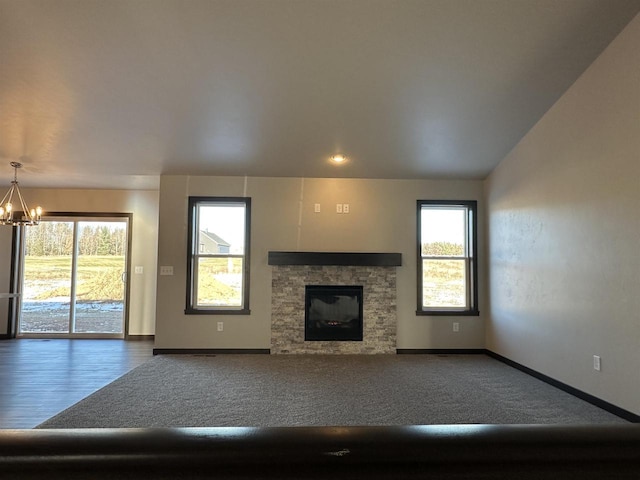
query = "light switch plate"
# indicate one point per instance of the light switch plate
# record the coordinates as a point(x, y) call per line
point(166, 270)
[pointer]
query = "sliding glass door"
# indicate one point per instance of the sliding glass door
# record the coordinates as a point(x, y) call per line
point(74, 278)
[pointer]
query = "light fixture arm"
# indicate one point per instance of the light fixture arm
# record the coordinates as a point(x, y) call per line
point(7, 210)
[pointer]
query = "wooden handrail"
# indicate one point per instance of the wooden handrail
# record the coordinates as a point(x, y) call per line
point(412, 452)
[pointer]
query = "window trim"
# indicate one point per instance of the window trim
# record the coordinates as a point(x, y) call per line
point(190, 309)
point(471, 260)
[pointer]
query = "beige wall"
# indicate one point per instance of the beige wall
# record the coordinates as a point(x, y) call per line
point(564, 234)
point(144, 206)
point(382, 219)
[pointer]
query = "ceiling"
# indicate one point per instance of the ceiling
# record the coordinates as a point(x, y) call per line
point(112, 94)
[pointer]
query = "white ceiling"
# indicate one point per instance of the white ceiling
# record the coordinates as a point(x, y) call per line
point(113, 93)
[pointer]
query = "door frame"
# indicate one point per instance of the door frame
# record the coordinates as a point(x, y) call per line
point(18, 269)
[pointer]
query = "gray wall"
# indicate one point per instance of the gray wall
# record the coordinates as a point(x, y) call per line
point(564, 234)
point(382, 218)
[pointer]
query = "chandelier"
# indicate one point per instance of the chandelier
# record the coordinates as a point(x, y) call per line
point(8, 214)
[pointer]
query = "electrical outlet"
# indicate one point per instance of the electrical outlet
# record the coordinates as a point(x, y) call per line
point(316, 208)
point(138, 269)
point(345, 208)
point(220, 326)
point(456, 326)
point(338, 208)
point(596, 362)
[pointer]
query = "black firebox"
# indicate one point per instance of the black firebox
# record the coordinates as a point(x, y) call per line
point(333, 312)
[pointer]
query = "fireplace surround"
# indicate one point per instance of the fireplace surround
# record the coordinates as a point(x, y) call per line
point(292, 272)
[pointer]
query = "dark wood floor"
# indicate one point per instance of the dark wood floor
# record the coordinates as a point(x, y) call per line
point(39, 378)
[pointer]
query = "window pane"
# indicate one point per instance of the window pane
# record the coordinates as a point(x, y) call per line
point(100, 283)
point(219, 282)
point(221, 230)
point(444, 283)
point(443, 231)
point(46, 297)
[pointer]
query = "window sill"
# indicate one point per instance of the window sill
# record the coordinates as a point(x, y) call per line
point(200, 311)
point(448, 313)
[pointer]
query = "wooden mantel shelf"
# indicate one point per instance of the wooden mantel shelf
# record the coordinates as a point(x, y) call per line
point(336, 258)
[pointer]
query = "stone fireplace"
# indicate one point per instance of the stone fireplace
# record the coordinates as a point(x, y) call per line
point(293, 272)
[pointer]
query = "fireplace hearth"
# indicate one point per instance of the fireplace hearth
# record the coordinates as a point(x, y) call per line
point(333, 313)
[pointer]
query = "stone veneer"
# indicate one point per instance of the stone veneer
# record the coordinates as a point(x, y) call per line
point(287, 308)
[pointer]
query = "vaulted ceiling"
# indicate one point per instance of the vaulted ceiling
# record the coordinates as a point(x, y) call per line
point(114, 93)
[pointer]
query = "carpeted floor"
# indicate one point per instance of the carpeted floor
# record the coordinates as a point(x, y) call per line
point(321, 390)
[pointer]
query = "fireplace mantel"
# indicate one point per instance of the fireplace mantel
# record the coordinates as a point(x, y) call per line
point(336, 258)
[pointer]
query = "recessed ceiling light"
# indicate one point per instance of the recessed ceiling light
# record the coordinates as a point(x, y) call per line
point(338, 159)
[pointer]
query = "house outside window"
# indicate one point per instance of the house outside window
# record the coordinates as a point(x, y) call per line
point(218, 257)
point(447, 257)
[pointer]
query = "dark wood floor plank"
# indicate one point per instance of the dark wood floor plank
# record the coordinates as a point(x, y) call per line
point(40, 377)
